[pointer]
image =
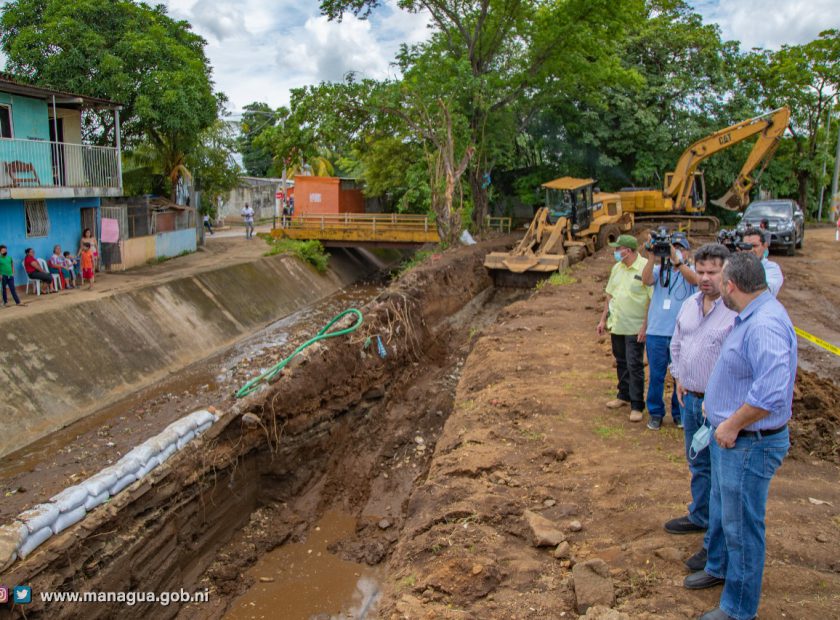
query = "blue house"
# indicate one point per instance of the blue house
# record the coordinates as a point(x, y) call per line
point(50, 183)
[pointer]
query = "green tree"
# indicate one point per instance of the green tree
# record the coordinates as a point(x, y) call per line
point(212, 164)
point(117, 49)
point(257, 160)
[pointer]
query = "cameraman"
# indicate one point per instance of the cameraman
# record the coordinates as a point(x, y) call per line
point(669, 293)
point(760, 241)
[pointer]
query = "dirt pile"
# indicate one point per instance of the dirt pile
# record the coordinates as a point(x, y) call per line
point(815, 426)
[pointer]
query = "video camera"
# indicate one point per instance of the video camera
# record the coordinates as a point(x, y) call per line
point(660, 243)
point(734, 240)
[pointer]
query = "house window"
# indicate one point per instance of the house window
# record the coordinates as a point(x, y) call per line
point(37, 220)
point(5, 121)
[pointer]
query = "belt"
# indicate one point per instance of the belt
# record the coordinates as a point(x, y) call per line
point(772, 431)
point(697, 394)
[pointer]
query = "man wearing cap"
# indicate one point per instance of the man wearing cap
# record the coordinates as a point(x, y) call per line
point(624, 315)
point(669, 293)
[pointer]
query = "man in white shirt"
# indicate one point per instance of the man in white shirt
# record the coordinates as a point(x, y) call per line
point(760, 240)
point(248, 217)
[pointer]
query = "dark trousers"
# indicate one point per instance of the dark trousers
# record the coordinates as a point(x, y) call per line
point(630, 368)
point(43, 276)
point(10, 282)
point(208, 227)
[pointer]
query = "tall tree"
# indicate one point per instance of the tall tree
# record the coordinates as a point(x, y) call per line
point(256, 117)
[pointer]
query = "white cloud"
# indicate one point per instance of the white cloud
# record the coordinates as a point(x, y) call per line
point(770, 23)
point(260, 50)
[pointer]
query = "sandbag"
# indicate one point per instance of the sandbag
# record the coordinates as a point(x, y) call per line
point(182, 426)
point(183, 441)
point(149, 467)
point(94, 501)
point(168, 452)
point(162, 441)
point(122, 483)
point(71, 498)
point(12, 535)
point(67, 519)
point(202, 417)
point(143, 453)
point(127, 466)
point(101, 482)
point(203, 428)
point(38, 517)
point(33, 541)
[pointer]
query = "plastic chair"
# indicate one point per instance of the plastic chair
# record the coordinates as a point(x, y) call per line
point(56, 277)
point(35, 283)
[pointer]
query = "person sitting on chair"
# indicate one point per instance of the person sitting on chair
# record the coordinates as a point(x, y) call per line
point(33, 269)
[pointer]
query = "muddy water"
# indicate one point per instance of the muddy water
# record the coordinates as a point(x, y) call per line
point(300, 580)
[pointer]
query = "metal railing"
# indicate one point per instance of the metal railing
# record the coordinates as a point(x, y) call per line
point(375, 222)
point(42, 163)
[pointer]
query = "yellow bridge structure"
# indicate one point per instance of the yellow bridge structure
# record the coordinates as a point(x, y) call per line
point(361, 229)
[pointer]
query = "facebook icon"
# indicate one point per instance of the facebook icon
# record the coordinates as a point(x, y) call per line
point(22, 595)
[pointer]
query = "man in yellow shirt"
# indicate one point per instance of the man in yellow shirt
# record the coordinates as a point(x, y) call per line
point(624, 316)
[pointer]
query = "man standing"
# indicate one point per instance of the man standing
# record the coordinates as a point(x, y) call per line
point(701, 327)
point(669, 293)
point(7, 271)
point(624, 315)
point(748, 404)
point(248, 217)
point(760, 240)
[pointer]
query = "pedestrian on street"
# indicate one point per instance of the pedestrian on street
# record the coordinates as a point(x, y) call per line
point(748, 405)
point(248, 217)
point(207, 224)
point(624, 315)
point(760, 240)
point(702, 325)
point(665, 304)
point(7, 272)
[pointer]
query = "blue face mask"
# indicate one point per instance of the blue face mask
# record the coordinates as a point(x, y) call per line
point(766, 253)
point(617, 256)
point(700, 441)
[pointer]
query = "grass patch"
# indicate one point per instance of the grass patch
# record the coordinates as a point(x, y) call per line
point(310, 251)
point(408, 582)
point(608, 431)
point(420, 256)
point(162, 259)
point(558, 278)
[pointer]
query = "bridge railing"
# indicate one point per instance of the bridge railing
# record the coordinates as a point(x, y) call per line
point(374, 222)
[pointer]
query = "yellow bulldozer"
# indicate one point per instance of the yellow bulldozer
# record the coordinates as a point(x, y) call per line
point(576, 221)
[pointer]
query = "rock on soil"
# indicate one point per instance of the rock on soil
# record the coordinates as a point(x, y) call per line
point(593, 585)
point(604, 613)
point(544, 532)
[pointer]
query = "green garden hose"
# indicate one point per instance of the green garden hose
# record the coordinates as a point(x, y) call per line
point(254, 384)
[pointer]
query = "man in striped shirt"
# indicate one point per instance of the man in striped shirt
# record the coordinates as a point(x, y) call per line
point(702, 325)
point(750, 393)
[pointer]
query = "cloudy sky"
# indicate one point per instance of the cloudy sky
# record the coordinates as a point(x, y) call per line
point(260, 49)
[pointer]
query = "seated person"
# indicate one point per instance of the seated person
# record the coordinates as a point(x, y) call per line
point(56, 266)
point(33, 269)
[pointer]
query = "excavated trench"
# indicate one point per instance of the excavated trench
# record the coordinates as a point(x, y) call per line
point(288, 504)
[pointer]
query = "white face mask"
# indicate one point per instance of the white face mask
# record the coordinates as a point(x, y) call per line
point(679, 256)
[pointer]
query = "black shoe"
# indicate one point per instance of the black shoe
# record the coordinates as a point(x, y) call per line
point(716, 614)
point(654, 423)
point(701, 580)
point(697, 561)
point(683, 525)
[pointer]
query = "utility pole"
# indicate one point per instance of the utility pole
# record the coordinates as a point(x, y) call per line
point(825, 157)
point(836, 171)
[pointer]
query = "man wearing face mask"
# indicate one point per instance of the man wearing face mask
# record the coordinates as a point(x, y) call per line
point(748, 404)
point(701, 327)
point(665, 304)
point(624, 315)
point(760, 240)
point(7, 272)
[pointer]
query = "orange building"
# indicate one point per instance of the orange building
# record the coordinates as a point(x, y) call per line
point(327, 196)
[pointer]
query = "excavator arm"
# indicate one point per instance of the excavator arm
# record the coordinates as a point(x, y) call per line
point(769, 128)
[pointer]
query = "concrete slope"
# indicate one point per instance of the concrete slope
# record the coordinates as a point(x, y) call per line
point(58, 366)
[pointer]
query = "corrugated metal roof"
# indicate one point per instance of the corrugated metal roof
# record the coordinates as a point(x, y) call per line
point(13, 84)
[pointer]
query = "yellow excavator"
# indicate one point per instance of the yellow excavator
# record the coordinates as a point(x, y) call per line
point(576, 221)
point(683, 200)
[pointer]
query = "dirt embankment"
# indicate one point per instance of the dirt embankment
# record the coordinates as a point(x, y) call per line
point(529, 432)
point(328, 427)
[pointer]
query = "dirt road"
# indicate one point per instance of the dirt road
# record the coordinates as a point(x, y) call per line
point(529, 431)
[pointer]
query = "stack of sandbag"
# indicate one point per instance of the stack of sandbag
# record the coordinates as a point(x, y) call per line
point(36, 525)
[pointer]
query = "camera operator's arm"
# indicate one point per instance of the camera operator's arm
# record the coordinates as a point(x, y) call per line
point(647, 272)
point(685, 271)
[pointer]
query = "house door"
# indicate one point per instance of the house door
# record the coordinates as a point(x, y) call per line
point(89, 220)
point(57, 151)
